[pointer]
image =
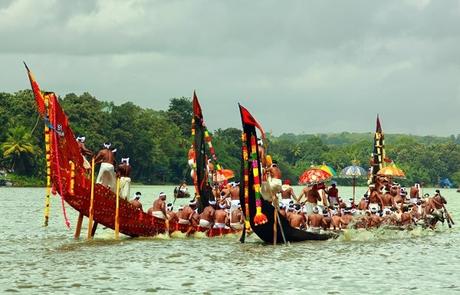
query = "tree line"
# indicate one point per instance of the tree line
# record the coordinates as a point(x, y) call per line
point(157, 142)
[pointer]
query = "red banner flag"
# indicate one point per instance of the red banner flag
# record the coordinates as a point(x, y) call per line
point(37, 92)
point(250, 120)
point(196, 106)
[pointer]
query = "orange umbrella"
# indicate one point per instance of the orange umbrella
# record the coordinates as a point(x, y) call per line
point(314, 176)
point(391, 171)
point(225, 174)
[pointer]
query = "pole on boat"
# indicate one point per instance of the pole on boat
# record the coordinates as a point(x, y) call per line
point(117, 206)
point(354, 184)
point(48, 165)
point(91, 209)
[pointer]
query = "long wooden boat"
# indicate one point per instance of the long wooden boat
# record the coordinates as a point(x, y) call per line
point(259, 213)
point(70, 180)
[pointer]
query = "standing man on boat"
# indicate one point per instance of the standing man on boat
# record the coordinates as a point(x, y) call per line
point(414, 193)
point(234, 198)
point(375, 199)
point(273, 182)
point(287, 193)
point(124, 172)
point(106, 175)
point(312, 195)
point(333, 195)
point(85, 152)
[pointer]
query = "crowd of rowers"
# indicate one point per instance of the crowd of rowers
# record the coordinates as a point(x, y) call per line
point(318, 207)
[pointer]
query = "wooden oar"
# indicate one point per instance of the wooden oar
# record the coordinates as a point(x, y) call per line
point(91, 209)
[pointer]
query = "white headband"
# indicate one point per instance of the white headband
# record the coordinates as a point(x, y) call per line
point(212, 202)
point(107, 145)
point(81, 138)
point(125, 160)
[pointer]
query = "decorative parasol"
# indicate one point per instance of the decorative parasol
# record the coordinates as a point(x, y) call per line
point(328, 169)
point(314, 176)
point(391, 171)
point(353, 172)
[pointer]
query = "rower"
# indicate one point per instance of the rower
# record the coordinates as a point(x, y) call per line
point(221, 217)
point(297, 218)
point(312, 195)
point(124, 172)
point(158, 209)
point(172, 216)
point(187, 213)
point(315, 220)
point(237, 219)
point(106, 158)
point(346, 218)
point(207, 216)
point(136, 203)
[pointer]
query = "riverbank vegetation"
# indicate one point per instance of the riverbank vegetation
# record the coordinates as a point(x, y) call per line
point(157, 142)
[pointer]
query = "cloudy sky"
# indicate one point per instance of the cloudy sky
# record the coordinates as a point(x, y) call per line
point(299, 66)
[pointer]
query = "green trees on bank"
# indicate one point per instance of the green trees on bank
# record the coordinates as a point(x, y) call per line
point(157, 142)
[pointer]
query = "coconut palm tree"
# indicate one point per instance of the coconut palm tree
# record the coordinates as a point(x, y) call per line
point(18, 147)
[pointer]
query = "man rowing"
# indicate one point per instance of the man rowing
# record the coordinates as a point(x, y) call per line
point(207, 216)
point(136, 203)
point(124, 173)
point(158, 209)
point(106, 175)
point(236, 218)
point(220, 217)
point(297, 218)
point(315, 220)
point(187, 213)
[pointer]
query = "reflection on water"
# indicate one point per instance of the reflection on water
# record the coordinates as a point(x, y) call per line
point(34, 259)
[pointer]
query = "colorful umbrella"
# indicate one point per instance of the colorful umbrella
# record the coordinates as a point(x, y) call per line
point(328, 169)
point(314, 176)
point(354, 172)
point(391, 171)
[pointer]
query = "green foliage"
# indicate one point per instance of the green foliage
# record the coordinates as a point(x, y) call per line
point(157, 142)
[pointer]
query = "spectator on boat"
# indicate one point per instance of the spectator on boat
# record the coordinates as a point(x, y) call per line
point(236, 218)
point(221, 217)
point(273, 183)
point(106, 175)
point(124, 173)
point(85, 152)
point(207, 216)
point(414, 192)
point(312, 195)
point(287, 193)
point(136, 203)
point(315, 220)
point(333, 195)
point(158, 209)
point(186, 214)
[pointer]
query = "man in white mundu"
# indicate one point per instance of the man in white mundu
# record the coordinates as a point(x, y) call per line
point(106, 175)
point(124, 172)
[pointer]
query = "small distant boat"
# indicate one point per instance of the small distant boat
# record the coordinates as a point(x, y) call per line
point(179, 194)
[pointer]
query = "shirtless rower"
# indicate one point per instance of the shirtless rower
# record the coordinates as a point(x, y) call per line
point(363, 204)
point(375, 220)
point(220, 217)
point(346, 218)
point(172, 216)
point(388, 200)
point(187, 213)
point(312, 195)
point(124, 172)
point(85, 152)
point(136, 203)
point(158, 209)
point(326, 219)
point(336, 220)
point(315, 220)
point(207, 216)
point(287, 193)
point(237, 219)
point(297, 218)
point(106, 175)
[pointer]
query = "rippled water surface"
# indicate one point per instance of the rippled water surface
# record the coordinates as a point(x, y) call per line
point(38, 260)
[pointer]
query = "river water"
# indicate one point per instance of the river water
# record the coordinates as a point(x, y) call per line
point(39, 260)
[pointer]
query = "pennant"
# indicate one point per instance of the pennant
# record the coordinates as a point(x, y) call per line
point(250, 120)
point(379, 127)
point(37, 92)
point(196, 106)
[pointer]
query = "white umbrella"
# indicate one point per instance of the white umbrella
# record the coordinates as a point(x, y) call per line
point(353, 172)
